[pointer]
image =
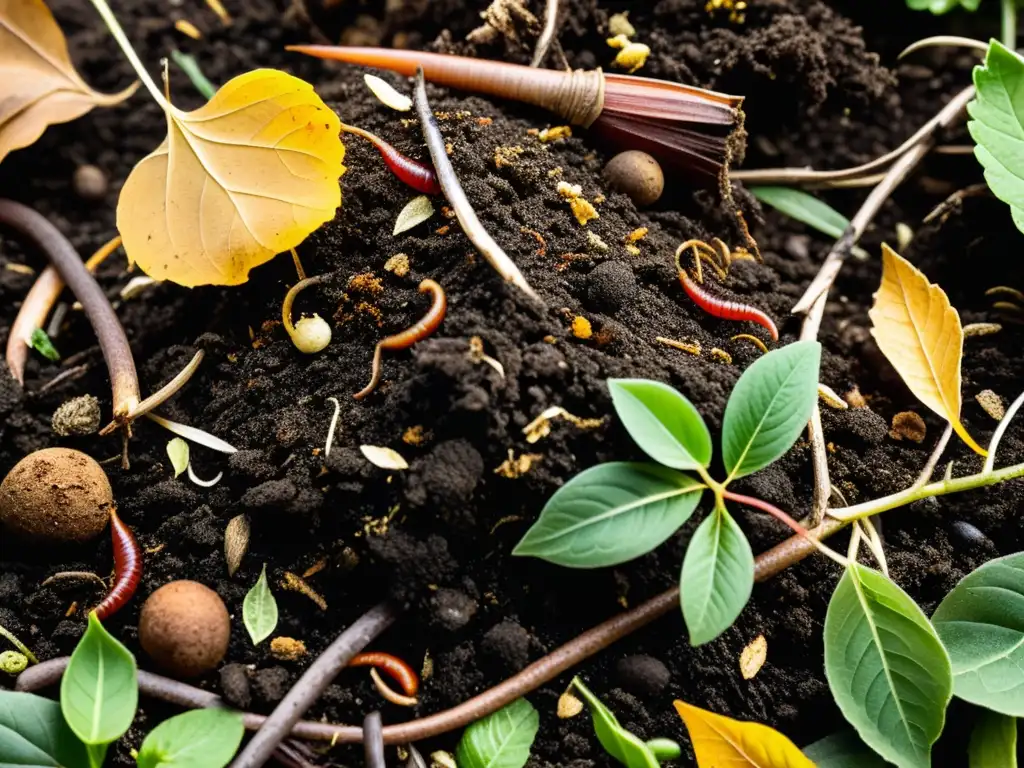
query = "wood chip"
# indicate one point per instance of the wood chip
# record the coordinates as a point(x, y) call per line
point(991, 403)
point(753, 657)
point(828, 396)
point(287, 649)
point(568, 706)
point(517, 466)
point(907, 425)
point(296, 583)
point(981, 329)
point(236, 542)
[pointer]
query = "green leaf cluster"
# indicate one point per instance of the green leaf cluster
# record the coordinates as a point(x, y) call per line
point(618, 511)
point(99, 694)
point(942, 6)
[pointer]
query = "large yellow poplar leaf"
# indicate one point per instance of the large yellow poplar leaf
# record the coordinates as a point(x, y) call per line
point(921, 336)
point(38, 83)
point(721, 742)
point(237, 181)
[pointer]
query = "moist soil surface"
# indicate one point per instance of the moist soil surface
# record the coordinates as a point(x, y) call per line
point(821, 91)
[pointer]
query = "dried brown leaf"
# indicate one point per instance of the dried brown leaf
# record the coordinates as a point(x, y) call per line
point(236, 542)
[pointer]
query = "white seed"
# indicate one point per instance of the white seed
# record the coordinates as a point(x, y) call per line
point(311, 335)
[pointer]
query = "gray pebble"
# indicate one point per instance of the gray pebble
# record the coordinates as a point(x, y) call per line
point(611, 286)
point(78, 416)
point(452, 609)
point(234, 684)
point(509, 642)
point(642, 675)
point(271, 684)
point(90, 183)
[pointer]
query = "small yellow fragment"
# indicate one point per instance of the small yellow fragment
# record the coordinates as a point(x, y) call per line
point(517, 466)
point(693, 349)
point(619, 25)
point(633, 237)
point(541, 426)
point(991, 403)
point(217, 7)
point(830, 398)
point(398, 264)
point(188, 29)
point(505, 157)
point(555, 133)
point(581, 328)
point(583, 210)
point(907, 425)
point(981, 329)
point(722, 355)
point(287, 649)
point(296, 583)
point(753, 657)
point(568, 706)
point(619, 41)
point(632, 57)
point(21, 269)
point(442, 759)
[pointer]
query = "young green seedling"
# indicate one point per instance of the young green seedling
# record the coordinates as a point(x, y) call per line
point(621, 744)
point(618, 511)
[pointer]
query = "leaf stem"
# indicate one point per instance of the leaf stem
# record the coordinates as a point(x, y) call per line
point(997, 436)
point(1010, 24)
point(133, 58)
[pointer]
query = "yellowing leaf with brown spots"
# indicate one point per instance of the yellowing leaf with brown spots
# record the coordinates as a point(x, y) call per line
point(920, 334)
point(38, 83)
point(246, 176)
point(721, 742)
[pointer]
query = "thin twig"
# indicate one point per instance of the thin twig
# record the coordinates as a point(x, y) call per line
point(170, 389)
point(457, 196)
point(70, 373)
point(797, 176)
point(313, 683)
point(373, 741)
point(997, 436)
point(547, 34)
point(75, 576)
point(929, 466)
point(62, 255)
point(944, 41)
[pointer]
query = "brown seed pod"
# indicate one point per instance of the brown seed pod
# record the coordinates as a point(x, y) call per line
point(636, 174)
point(185, 628)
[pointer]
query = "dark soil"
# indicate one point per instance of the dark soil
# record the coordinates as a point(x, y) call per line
point(821, 91)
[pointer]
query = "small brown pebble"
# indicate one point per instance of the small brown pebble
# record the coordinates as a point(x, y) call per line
point(185, 628)
point(90, 183)
point(287, 649)
point(907, 425)
point(78, 416)
point(56, 494)
point(637, 175)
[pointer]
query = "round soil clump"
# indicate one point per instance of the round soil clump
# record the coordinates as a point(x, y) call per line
point(57, 495)
point(185, 628)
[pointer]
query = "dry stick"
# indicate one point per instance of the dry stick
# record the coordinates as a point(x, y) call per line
point(38, 302)
point(62, 255)
point(313, 683)
point(547, 34)
point(373, 741)
point(808, 176)
point(814, 298)
point(457, 197)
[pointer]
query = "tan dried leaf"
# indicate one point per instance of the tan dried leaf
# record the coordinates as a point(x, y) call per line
point(38, 83)
point(920, 333)
point(236, 542)
point(753, 657)
point(568, 706)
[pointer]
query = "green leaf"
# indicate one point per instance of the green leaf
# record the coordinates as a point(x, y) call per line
point(717, 577)
point(662, 422)
point(99, 691)
point(177, 452)
point(192, 71)
point(886, 667)
point(769, 407)
point(804, 207)
point(611, 513)
point(259, 610)
point(843, 750)
point(41, 343)
point(981, 623)
point(500, 740)
point(616, 740)
point(942, 6)
point(203, 738)
point(993, 741)
point(996, 126)
point(33, 733)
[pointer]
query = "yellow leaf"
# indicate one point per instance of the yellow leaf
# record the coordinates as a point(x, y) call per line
point(38, 83)
point(721, 742)
point(920, 334)
point(246, 176)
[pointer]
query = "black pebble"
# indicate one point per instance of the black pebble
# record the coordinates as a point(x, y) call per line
point(642, 675)
point(969, 534)
point(234, 684)
point(510, 642)
point(611, 285)
point(271, 684)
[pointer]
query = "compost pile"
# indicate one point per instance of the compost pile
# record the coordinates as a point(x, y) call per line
point(821, 91)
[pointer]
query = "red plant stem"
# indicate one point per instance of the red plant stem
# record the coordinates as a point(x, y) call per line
point(423, 328)
point(727, 310)
point(417, 175)
point(583, 646)
point(764, 506)
point(127, 568)
point(397, 669)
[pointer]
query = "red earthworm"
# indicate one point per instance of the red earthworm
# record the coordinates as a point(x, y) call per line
point(417, 175)
point(716, 307)
point(423, 328)
point(397, 669)
point(127, 568)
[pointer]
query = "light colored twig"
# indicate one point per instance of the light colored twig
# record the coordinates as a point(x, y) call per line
point(547, 34)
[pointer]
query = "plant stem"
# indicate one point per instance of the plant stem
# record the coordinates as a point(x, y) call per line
point(133, 58)
point(1010, 24)
point(997, 436)
point(940, 488)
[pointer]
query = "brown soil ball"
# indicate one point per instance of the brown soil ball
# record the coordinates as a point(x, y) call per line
point(636, 174)
point(90, 183)
point(185, 628)
point(58, 495)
